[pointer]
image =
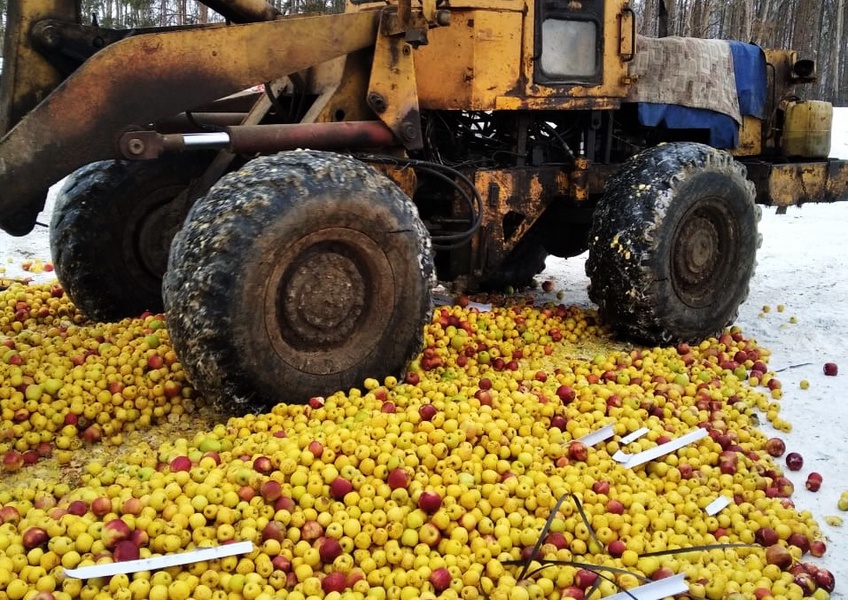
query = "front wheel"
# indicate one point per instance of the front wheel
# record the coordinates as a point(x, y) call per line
point(673, 244)
point(298, 275)
point(111, 230)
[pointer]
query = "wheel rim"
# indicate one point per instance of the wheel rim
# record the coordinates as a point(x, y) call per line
point(322, 301)
point(153, 224)
point(703, 253)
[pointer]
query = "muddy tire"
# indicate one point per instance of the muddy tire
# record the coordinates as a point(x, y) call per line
point(298, 275)
point(111, 230)
point(673, 244)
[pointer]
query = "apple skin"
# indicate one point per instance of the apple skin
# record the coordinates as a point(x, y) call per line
point(441, 579)
point(830, 369)
point(429, 502)
point(397, 478)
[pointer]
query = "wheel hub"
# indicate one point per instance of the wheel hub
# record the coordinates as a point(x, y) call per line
point(324, 298)
point(701, 255)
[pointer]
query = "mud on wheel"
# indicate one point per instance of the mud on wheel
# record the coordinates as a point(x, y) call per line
point(298, 275)
point(673, 244)
point(111, 231)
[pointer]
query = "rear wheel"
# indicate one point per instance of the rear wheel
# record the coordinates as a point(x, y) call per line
point(111, 230)
point(673, 244)
point(298, 275)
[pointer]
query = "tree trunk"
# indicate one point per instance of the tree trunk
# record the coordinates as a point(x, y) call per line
point(838, 41)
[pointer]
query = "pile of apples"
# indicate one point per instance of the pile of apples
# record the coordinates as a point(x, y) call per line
point(470, 477)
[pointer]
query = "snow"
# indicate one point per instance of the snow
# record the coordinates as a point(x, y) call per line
point(802, 265)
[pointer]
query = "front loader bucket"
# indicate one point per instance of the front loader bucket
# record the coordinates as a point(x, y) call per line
point(149, 76)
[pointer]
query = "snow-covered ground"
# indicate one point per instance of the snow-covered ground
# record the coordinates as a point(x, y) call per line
point(802, 265)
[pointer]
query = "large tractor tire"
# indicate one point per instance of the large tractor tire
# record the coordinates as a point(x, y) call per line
point(298, 275)
point(111, 230)
point(673, 244)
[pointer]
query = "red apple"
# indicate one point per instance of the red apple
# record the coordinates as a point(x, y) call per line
point(334, 582)
point(316, 448)
point(281, 563)
point(311, 530)
point(9, 514)
point(398, 478)
point(765, 536)
point(814, 481)
point(113, 532)
point(794, 461)
point(616, 548)
point(441, 579)
point(825, 580)
point(578, 451)
point(13, 461)
point(273, 530)
point(101, 506)
point(818, 548)
point(830, 369)
point(601, 486)
point(662, 573)
point(263, 465)
point(559, 422)
point(340, 487)
point(125, 550)
point(557, 540)
point(427, 412)
point(429, 502)
point(34, 537)
point(180, 463)
point(566, 393)
point(573, 592)
point(329, 550)
point(284, 503)
point(778, 555)
point(615, 507)
point(800, 541)
point(585, 578)
point(775, 447)
point(271, 490)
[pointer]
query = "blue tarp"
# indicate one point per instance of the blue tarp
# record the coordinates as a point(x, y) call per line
point(749, 67)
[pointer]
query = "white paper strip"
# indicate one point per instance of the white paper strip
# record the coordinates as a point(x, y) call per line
point(634, 460)
point(717, 505)
point(596, 437)
point(654, 590)
point(632, 437)
point(160, 562)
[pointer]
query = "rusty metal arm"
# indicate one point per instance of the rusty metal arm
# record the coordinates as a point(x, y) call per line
point(253, 139)
point(140, 79)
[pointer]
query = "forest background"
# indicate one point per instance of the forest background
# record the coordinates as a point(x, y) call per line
point(815, 28)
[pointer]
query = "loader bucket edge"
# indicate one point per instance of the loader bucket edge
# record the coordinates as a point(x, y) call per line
point(81, 120)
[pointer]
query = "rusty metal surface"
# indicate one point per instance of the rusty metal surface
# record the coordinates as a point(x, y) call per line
point(182, 69)
point(27, 76)
point(244, 11)
point(514, 199)
point(797, 183)
point(264, 139)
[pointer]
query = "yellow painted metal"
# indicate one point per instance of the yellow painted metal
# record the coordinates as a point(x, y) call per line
point(613, 85)
point(468, 65)
point(798, 183)
point(392, 90)
point(486, 61)
point(750, 137)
